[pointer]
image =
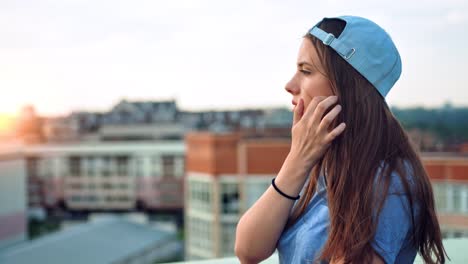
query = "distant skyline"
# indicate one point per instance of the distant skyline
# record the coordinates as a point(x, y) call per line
point(70, 55)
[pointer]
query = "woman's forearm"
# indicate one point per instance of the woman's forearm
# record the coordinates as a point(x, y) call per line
point(261, 225)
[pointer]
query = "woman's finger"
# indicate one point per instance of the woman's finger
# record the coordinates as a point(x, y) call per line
point(312, 105)
point(329, 117)
point(321, 108)
point(298, 111)
point(334, 133)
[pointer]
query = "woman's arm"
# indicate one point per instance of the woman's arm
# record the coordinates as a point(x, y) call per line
point(260, 227)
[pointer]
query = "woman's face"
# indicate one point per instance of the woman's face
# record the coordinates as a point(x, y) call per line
point(309, 80)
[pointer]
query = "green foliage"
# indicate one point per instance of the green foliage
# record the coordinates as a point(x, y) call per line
point(38, 228)
point(448, 123)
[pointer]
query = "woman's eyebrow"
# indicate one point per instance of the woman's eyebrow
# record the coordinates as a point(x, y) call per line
point(301, 63)
point(310, 63)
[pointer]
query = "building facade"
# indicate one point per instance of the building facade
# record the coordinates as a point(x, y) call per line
point(106, 176)
point(449, 177)
point(13, 211)
point(227, 173)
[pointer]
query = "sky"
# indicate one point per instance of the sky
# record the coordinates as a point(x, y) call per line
point(70, 55)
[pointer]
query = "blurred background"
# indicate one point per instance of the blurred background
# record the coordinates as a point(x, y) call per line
point(140, 131)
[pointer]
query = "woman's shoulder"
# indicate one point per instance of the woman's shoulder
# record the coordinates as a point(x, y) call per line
point(402, 179)
point(400, 196)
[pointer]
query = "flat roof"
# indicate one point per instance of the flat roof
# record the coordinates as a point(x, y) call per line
point(165, 146)
point(103, 240)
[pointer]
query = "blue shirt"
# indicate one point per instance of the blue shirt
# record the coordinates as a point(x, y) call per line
point(302, 242)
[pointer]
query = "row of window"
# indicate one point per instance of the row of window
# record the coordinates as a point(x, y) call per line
point(200, 236)
point(94, 198)
point(172, 199)
point(167, 187)
point(454, 233)
point(228, 239)
point(200, 233)
point(451, 197)
point(93, 186)
point(166, 165)
point(200, 194)
point(108, 165)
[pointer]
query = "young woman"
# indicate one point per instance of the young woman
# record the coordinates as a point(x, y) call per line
point(352, 188)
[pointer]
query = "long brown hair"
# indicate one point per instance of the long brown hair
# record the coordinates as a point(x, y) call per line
point(373, 136)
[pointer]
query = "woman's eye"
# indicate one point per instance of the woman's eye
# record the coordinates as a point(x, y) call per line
point(305, 72)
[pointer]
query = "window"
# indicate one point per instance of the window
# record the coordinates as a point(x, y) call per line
point(440, 196)
point(458, 233)
point(106, 170)
point(179, 166)
point(32, 166)
point(45, 167)
point(457, 198)
point(200, 233)
point(168, 186)
point(155, 166)
point(123, 198)
point(465, 200)
point(122, 166)
point(74, 164)
point(75, 186)
point(107, 186)
point(168, 166)
point(75, 198)
point(90, 166)
point(228, 239)
point(230, 198)
point(138, 167)
point(169, 198)
point(92, 198)
point(200, 193)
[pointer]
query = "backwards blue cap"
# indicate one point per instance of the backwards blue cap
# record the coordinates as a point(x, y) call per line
point(366, 47)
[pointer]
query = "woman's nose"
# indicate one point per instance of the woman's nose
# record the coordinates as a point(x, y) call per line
point(291, 88)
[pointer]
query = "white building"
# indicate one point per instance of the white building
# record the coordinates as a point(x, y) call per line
point(107, 175)
point(12, 199)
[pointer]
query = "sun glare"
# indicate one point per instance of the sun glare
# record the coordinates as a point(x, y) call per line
point(6, 123)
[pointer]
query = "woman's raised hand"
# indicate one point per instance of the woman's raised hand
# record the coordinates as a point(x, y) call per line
point(311, 134)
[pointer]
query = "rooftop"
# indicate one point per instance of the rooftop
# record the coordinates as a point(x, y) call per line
point(104, 240)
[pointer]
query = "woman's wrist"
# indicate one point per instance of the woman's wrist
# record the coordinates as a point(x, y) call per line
point(301, 165)
point(293, 175)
